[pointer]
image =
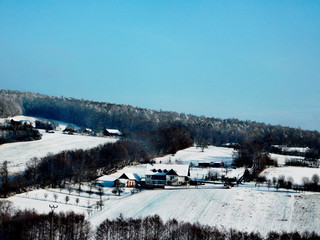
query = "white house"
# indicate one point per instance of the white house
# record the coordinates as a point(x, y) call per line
point(130, 179)
point(160, 175)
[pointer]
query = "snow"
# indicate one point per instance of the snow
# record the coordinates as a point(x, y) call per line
point(296, 149)
point(133, 176)
point(194, 155)
point(18, 153)
point(114, 131)
point(281, 159)
point(292, 149)
point(246, 208)
point(243, 208)
point(181, 170)
point(36, 199)
point(297, 173)
point(61, 125)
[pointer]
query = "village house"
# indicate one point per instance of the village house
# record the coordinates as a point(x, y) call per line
point(112, 132)
point(160, 175)
point(130, 179)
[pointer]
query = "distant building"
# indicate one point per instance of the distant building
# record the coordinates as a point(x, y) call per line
point(160, 175)
point(203, 164)
point(211, 164)
point(285, 149)
point(112, 132)
point(25, 122)
point(217, 164)
point(87, 130)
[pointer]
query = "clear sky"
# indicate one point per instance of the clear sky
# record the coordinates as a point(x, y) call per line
point(252, 60)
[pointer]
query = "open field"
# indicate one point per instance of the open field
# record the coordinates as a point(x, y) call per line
point(194, 155)
point(244, 208)
point(17, 154)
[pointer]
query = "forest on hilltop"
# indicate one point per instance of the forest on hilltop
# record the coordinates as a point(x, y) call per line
point(134, 121)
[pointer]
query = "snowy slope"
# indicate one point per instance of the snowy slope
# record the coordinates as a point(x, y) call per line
point(244, 208)
point(297, 173)
point(281, 159)
point(195, 155)
point(17, 154)
point(241, 208)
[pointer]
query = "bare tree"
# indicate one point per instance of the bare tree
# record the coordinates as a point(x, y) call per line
point(67, 198)
point(70, 189)
point(305, 182)
point(274, 181)
point(100, 192)
point(315, 179)
point(55, 196)
point(118, 189)
point(5, 179)
point(269, 184)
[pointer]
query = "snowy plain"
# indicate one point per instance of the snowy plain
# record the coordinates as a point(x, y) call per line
point(194, 155)
point(296, 173)
point(245, 208)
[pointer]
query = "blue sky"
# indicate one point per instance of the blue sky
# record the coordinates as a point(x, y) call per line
point(252, 60)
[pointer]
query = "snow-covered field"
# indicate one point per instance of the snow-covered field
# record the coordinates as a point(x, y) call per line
point(194, 155)
point(244, 208)
point(281, 159)
point(296, 173)
point(79, 203)
point(17, 154)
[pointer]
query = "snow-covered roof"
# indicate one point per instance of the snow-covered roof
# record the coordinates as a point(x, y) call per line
point(181, 170)
point(132, 176)
point(292, 149)
point(114, 131)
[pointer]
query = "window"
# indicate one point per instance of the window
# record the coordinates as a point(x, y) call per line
point(158, 177)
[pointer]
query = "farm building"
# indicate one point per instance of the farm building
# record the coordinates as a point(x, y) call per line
point(130, 179)
point(112, 132)
point(160, 175)
point(211, 164)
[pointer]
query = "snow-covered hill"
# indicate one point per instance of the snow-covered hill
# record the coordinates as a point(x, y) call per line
point(244, 208)
point(17, 154)
point(194, 155)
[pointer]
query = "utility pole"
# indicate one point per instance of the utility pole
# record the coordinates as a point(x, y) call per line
point(53, 207)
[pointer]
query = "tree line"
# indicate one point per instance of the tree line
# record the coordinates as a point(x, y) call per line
point(255, 151)
point(14, 131)
point(153, 227)
point(128, 119)
point(28, 224)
